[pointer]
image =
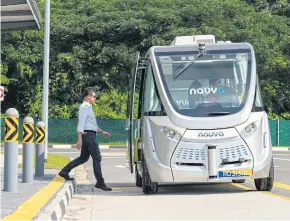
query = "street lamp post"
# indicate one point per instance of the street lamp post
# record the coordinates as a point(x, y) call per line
point(46, 72)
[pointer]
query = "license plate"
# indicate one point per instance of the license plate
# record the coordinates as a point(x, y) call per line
point(235, 173)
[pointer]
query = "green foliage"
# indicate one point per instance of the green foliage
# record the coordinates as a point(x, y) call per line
point(111, 105)
point(273, 116)
point(278, 7)
point(93, 43)
point(56, 162)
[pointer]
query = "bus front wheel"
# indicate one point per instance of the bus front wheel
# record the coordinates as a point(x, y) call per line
point(266, 183)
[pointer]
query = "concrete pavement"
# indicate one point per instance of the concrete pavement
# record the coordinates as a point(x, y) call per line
point(11, 202)
point(30, 198)
point(198, 202)
point(211, 201)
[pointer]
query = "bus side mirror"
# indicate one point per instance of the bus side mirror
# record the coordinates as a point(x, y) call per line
point(266, 109)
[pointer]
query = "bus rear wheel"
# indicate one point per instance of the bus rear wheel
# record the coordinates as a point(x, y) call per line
point(266, 183)
point(148, 187)
point(138, 178)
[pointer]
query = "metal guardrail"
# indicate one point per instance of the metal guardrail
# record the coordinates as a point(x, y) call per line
point(63, 131)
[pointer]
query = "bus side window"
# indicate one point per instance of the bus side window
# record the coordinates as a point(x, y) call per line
point(258, 98)
point(151, 101)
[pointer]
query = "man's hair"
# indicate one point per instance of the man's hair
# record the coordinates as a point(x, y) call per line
point(88, 91)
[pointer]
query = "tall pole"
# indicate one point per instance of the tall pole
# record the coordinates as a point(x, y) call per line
point(46, 72)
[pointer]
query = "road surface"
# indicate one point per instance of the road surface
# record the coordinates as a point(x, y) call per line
point(211, 201)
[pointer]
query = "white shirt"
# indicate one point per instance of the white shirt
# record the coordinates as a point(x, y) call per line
point(87, 119)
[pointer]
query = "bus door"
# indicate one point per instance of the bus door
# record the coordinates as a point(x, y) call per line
point(129, 119)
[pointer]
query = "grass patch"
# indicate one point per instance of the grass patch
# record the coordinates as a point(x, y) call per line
point(111, 144)
point(114, 144)
point(19, 153)
point(53, 162)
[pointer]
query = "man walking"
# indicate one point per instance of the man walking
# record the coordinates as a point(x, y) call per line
point(87, 129)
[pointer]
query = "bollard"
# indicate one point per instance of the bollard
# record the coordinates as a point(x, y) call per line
point(28, 150)
point(39, 156)
point(11, 150)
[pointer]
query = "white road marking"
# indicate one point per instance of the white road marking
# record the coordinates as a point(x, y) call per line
point(281, 159)
point(111, 155)
point(280, 149)
point(120, 166)
point(64, 152)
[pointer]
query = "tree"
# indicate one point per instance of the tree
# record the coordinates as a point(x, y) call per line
point(93, 43)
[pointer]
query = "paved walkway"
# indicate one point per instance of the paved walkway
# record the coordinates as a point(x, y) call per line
point(11, 201)
point(196, 202)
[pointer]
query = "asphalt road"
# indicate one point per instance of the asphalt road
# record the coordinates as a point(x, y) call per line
point(281, 161)
point(224, 201)
point(282, 166)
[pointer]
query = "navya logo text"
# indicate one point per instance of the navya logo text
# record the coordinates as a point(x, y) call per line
point(207, 90)
point(211, 134)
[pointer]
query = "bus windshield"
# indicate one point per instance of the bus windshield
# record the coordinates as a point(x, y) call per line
point(216, 82)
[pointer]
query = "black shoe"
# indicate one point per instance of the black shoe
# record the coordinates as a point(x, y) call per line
point(65, 175)
point(103, 186)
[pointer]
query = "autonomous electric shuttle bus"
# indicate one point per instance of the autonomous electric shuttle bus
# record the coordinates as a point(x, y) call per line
point(199, 117)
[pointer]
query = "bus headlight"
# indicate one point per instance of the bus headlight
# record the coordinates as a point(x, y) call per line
point(251, 128)
point(171, 133)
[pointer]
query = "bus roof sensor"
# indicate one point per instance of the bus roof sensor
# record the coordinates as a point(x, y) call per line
point(194, 39)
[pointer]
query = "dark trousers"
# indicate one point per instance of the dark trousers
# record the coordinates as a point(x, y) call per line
point(90, 147)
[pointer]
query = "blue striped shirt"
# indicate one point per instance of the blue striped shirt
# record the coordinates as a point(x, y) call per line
point(87, 119)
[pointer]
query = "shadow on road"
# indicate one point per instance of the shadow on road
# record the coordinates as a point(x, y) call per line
point(129, 189)
point(45, 177)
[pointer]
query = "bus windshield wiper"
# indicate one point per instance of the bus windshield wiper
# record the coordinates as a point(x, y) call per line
point(218, 113)
point(202, 51)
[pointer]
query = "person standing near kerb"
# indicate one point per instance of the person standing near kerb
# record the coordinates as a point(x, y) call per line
point(87, 130)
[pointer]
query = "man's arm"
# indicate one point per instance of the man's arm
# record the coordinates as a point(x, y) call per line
point(82, 119)
point(80, 136)
point(103, 132)
point(81, 125)
point(100, 130)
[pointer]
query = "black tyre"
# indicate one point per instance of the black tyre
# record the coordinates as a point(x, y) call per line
point(239, 181)
point(266, 184)
point(138, 178)
point(154, 188)
point(145, 179)
point(148, 187)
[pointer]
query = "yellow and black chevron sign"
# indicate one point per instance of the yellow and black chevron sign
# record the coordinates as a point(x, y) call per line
point(28, 133)
point(40, 134)
point(11, 129)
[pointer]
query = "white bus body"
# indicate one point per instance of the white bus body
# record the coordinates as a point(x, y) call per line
point(200, 116)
